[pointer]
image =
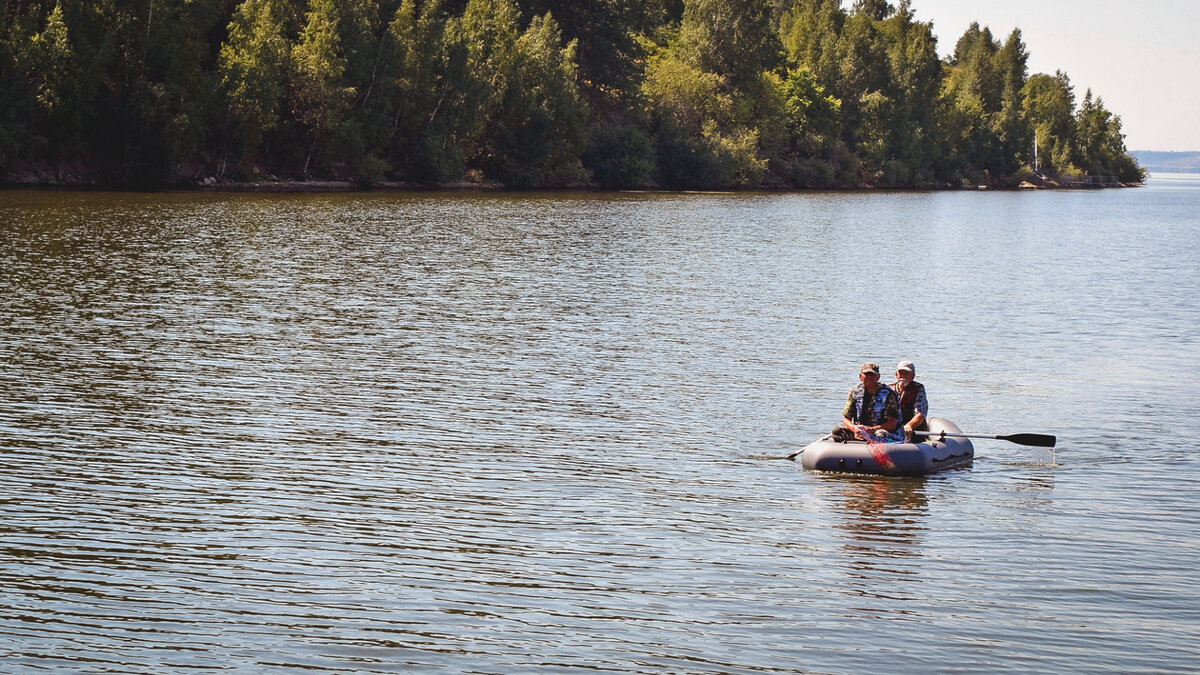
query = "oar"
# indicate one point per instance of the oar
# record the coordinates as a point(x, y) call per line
point(1036, 440)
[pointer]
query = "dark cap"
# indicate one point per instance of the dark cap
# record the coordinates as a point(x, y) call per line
point(869, 368)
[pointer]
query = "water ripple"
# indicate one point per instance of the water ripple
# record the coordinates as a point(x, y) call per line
point(514, 433)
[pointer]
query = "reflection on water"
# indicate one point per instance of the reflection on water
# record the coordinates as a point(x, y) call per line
point(515, 433)
point(883, 517)
point(882, 521)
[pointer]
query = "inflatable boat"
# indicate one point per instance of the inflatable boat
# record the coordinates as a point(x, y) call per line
point(936, 453)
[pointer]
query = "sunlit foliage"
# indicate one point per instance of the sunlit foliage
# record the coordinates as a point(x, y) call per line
point(619, 93)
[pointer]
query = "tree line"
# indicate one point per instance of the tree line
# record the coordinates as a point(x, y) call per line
point(617, 93)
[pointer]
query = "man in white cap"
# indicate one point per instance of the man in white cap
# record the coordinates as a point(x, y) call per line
point(914, 407)
point(871, 405)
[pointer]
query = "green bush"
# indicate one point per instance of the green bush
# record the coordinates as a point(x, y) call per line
point(619, 156)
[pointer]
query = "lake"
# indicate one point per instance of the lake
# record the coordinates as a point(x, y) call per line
point(514, 433)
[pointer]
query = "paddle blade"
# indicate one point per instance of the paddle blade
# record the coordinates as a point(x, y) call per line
point(1036, 440)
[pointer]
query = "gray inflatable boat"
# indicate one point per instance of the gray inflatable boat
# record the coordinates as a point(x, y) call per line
point(937, 453)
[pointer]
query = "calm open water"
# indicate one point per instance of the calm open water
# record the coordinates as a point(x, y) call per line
point(540, 433)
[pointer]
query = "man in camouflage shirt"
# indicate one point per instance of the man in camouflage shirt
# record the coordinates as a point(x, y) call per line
point(871, 405)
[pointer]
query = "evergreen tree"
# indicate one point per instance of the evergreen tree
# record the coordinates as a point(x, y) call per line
point(861, 86)
point(877, 10)
point(974, 92)
point(1009, 125)
point(1100, 144)
point(606, 33)
point(915, 139)
point(733, 39)
point(1049, 106)
point(810, 30)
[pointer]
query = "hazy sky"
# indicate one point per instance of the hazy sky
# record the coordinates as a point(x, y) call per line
point(1142, 57)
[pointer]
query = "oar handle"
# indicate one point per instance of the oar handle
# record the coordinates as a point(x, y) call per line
point(918, 432)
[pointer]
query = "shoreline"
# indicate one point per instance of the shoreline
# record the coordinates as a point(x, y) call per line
point(345, 186)
point(73, 176)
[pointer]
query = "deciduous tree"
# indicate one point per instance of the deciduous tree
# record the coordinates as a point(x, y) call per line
point(320, 97)
point(254, 70)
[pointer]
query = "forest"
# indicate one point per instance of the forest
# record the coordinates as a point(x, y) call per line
point(674, 94)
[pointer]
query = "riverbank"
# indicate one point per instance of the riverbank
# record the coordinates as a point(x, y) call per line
point(212, 184)
point(83, 175)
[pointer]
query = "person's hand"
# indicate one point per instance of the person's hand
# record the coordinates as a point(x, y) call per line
point(908, 433)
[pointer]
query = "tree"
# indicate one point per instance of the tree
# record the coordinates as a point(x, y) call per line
point(810, 32)
point(973, 92)
point(973, 59)
point(813, 120)
point(1100, 143)
point(606, 33)
point(485, 39)
point(1049, 107)
point(619, 155)
point(421, 85)
point(45, 89)
point(517, 110)
point(538, 131)
point(364, 132)
point(1008, 123)
point(49, 61)
point(877, 10)
point(912, 127)
point(685, 96)
point(690, 93)
point(732, 38)
point(863, 72)
point(319, 97)
point(696, 140)
point(253, 67)
point(812, 115)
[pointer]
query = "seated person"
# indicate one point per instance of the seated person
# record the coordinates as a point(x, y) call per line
point(914, 407)
point(871, 405)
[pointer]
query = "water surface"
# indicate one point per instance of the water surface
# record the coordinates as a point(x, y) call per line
point(540, 432)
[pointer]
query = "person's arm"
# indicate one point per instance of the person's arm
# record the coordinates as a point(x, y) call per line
point(848, 411)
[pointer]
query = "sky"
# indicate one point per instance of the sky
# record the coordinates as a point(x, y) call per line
point(1141, 57)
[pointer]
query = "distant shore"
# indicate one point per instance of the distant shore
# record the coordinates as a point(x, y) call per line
point(332, 186)
point(1168, 161)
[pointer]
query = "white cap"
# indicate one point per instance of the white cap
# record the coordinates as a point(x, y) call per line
point(907, 365)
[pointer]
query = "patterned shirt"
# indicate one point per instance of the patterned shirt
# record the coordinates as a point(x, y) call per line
point(884, 405)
